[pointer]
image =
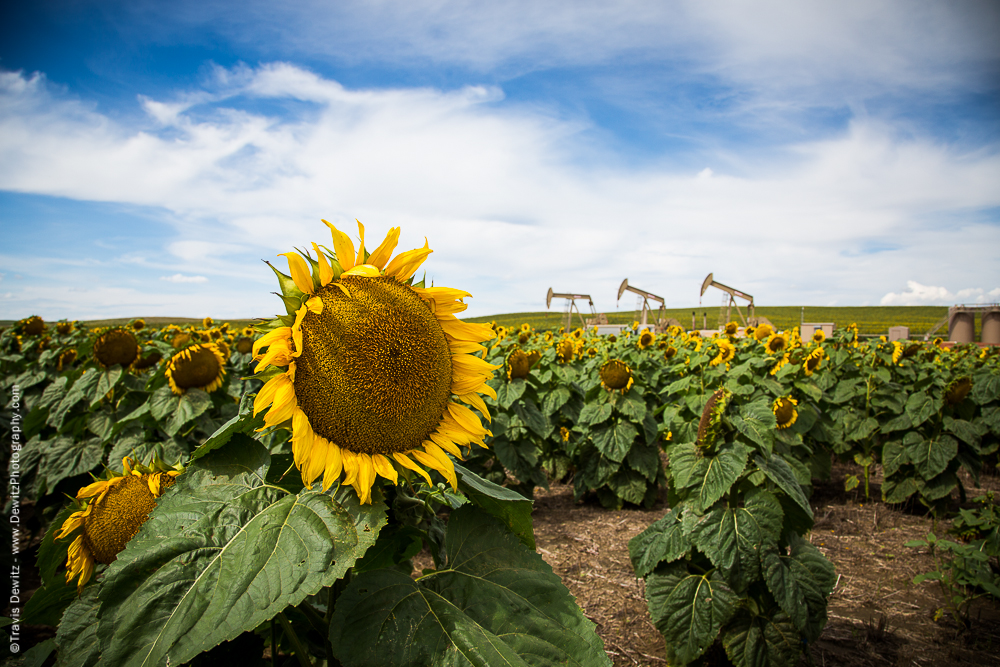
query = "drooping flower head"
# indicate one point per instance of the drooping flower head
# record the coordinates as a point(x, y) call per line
point(371, 372)
point(616, 376)
point(200, 366)
point(565, 350)
point(813, 361)
point(518, 364)
point(116, 346)
point(109, 513)
point(784, 411)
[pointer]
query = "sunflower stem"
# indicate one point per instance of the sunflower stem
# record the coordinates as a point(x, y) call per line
point(300, 651)
point(274, 645)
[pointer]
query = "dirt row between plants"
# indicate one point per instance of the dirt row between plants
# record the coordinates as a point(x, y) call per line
point(877, 616)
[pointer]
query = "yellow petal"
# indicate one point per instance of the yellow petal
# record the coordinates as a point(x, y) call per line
point(315, 305)
point(299, 270)
point(477, 402)
point(463, 347)
point(456, 329)
point(343, 246)
point(361, 249)
point(366, 270)
point(384, 251)
point(270, 337)
point(366, 477)
point(334, 465)
point(405, 461)
point(384, 468)
point(445, 443)
point(406, 264)
point(325, 272)
point(437, 455)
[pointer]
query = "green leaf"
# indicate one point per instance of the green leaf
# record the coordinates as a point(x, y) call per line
point(939, 487)
point(757, 422)
point(244, 422)
point(78, 392)
point(930, 457)
point(677, 386)
point(495, 603)
point(555, 399)
point(508, 392)
point(845, 391)
point(615, 440)
point(964, 430)
point(191, 404)
point(52, 552)
point(222, 553)
point(893, 456)
point(779, 472)
point(63, 458)
point(688, 609)
point(986, 387)
point(713, 475)
point(47, 604)
point(107, 381)
point(629, 485)
point(762, 641)
point(595, 413)
point(76, 636)
point(734, 538)
point(900, 423)
point(510, 507)
point(54, 392)
point(809, 389)
point(896, 491)
point(644, 459)
point(163, 402)
point(533, 419)
point(857, 428)
point(683, 459)
point(633, 406)
point(39, 653)
point(662, 542)
point(920, 406)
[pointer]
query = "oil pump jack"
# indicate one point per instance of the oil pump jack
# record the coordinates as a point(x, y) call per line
point(733, 293)
point(646, 298)
point(570, 306)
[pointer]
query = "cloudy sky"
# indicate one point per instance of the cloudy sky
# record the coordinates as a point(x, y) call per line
point(836, 153)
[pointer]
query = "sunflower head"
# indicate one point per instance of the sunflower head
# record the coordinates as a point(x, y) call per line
point(138, 324)
point(207, 323)
point(897, 351)
point(116, 346)
point(612, 338)
point(784, 411)
point(670, 352)
point(141, 363)
point(109, 513)
point(912, 349)
point(244, 345)
point(616, 376)
point(523, 336)
point(731, 328)
point(66, 358)
point(776, 343)
point(180, 340)
point(762, 332)
point(565, 350)
point(645, 340)
point(534, 357)
point(710, 424)
point(782, 360)
point(818, 336)
point(813, 361)
point(750, 331)
point(957, 390)
point(591, 352)
point(564, 433)
point(32, 326)
point(518, 364)
point(371, 372)
point(200, 366)
point(727, 351)
point(548, 336)
point(64, 328)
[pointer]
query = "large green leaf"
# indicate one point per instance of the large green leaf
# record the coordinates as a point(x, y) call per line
point(662, 542)
point(508, 392)
point(244, 422)
point(80, 390)
point(163, 403)
point(614, 440)
point(107, 381)
point(63, 457)
point(683, 458)
point(629, 485)
point(931, 456)
point(532, 417)
point(688, 609)
point(633, 406)
point(513, 509)
point(800, 582)
point(644, 459)
point(920, 406)
point(555, 399)
point(222, 553)
point(762, 641)
point(734, 538)
point(857, 428)
point(757, 422)
point(192, 403)
point(779, 472)
point(495, 603)
point(595, 413)
point(894, 455)
point(76, 636)
point(986, 387)
point(713, 475)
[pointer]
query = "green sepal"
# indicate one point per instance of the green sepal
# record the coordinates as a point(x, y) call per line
point(285, 282)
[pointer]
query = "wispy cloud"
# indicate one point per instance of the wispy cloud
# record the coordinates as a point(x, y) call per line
point(181, 278)
point(929, 295)
point(513, 199)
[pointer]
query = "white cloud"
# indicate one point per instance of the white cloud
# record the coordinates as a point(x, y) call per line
point(181, 278)
point(512, 199)
point(926, 295)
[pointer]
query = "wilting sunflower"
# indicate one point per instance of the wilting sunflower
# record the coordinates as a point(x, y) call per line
point(372, 365)
point(784, 411)
point(616, 376)
point(645, 340)
point(200, 366)
point(731, 328)
point(727, 351)
point(565, 350)
point(207, 323)
point(31, 326)
point(957, 390)
point(818, 336)
point(180, 340)
point(518, 364)
point(776, 343)
point(64, 328)
point(66, 358)
point(116, 346)
point(110, 513)
point(813, 361)
point(762, 332)
point(141, 363)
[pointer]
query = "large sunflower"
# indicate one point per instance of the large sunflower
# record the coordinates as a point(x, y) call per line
point(376, 369)
point(616, 376)
point(777, 343)
point(110, 513)
point(116, 346)
point(727, 351)
point(518, 364)
point(645, 340)
point(813, 360)
point(784, 411)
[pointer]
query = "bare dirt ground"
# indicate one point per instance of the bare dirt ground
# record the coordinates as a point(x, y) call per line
point(877, 616)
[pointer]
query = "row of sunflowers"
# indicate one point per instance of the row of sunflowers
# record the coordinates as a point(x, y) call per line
point(241, 490)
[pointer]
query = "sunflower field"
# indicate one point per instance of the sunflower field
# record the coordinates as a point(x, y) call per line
point(261, 495)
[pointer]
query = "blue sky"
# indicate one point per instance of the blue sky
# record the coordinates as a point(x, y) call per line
point(152, 154)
